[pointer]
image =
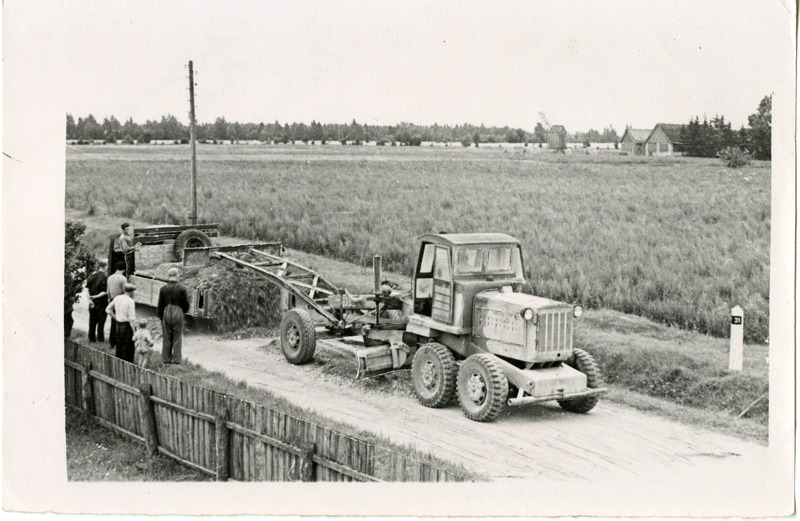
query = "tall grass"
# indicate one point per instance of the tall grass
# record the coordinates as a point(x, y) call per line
point(677, 240)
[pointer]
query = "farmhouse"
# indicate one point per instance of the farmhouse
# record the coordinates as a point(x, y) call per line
point(632, 141)
point(557, 137)
point(664, 140)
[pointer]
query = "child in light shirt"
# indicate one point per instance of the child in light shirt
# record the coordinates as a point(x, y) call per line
point(144, 344)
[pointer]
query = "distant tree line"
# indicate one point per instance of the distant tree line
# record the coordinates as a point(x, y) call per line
point(709, 138)
point(111, 130)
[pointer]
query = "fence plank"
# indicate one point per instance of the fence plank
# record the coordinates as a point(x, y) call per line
point(147, 415)
point(305, 463)
point(87, 397)
point(260, 447)
point(222, 443)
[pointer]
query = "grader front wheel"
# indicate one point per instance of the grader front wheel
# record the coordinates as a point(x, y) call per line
point(482, 388)
point(433, 371)
point(583, 362)
point(298, 337)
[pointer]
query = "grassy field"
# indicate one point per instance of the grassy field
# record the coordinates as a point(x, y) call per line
point(677, 240)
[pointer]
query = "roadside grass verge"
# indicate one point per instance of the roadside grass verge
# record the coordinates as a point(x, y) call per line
point(683, 367)
point(95, 453)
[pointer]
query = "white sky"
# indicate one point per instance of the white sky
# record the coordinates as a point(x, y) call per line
point(584, 64)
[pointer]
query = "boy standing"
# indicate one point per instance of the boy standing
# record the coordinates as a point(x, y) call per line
point(144, 344)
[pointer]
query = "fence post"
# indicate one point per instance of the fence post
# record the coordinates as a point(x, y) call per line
point(737, 339)
point(148, 418)
point(87, 393)
point(306, 463)
point(223, 454)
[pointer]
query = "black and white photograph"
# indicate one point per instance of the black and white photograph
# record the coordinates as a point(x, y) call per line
point(403, 259)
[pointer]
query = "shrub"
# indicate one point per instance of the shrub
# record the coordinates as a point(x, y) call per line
point(735, 157)
point(127, 140)
point(78, 264)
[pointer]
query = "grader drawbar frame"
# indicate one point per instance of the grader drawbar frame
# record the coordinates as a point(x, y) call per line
point(339, 310)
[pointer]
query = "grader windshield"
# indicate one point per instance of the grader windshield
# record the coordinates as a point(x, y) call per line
point(489, 260)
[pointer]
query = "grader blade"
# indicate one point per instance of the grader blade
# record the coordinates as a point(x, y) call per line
point(373, 361)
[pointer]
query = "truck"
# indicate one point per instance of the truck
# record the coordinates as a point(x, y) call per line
point(468, 330)
point(157, 248)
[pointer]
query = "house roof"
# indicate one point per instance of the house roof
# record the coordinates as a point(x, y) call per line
point(639, 135)
point(671, 130)
point(558, 129)
point(455, 239)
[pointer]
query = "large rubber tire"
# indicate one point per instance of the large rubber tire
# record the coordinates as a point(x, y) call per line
point(190, 239)
point(584, 362)
point(433, 372)
point(298, 337)
point(482, 388)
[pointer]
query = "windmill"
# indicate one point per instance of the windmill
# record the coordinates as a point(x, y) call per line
point(544, 120)
point(556, 134)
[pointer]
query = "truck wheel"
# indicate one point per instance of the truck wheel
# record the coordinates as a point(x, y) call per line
point(583, 362)
point(190, 239)
point(433, 371)
point(298, 337)
point(482, 388)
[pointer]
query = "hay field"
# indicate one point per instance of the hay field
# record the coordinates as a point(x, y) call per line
point(678, 240)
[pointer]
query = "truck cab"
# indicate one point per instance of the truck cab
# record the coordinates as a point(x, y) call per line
point(453, 268)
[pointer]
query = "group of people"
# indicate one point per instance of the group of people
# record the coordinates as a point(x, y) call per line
point(113, 296)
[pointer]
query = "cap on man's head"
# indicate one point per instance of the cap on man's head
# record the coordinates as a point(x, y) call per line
point(125, 225)
point(129, 287)
point(120, 266)
point(173, 273)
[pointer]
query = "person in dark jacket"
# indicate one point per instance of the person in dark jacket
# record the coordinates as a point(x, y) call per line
point(173, 303)
point(98, 300)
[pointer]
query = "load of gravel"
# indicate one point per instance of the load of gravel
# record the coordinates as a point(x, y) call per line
point(241, 297)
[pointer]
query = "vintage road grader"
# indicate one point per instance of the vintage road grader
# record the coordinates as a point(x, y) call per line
point(465, 329)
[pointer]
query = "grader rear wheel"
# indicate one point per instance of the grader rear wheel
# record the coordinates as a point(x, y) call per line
point(583, 362)
point(433, 372)
point(482, 388)
point(298, 337)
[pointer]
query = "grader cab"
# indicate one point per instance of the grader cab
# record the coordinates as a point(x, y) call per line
point(469, 331)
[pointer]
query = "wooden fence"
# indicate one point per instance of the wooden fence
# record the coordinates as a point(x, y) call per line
point(224, 436)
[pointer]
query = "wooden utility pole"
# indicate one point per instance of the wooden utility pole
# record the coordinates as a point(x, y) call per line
point(193, 141)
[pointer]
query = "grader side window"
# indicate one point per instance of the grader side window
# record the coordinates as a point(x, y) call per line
point(426, 263)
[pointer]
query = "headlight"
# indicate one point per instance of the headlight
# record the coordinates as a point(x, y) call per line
point(577, 311)
point(527, 314)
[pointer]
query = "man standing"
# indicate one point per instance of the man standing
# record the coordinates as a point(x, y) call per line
point(173, 303)
point(116, 287)
point(117, 255)
point(97, 284)
point(128, 249)
point(123, 310)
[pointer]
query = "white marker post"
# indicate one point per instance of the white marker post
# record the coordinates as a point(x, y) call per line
point(737, 339)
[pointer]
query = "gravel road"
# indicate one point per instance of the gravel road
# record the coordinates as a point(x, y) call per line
point(537, 442)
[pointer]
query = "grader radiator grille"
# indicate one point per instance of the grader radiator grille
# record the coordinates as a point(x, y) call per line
point(554, 331)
